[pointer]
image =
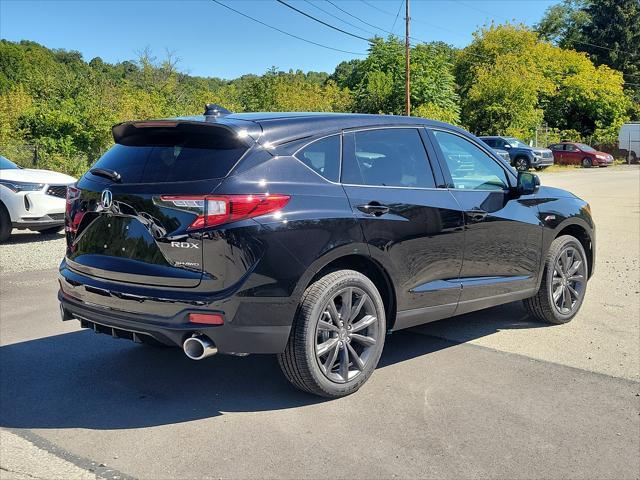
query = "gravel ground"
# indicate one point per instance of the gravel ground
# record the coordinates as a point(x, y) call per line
point(26, 250)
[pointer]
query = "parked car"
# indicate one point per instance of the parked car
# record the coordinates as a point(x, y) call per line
point(310, 236)
point(31, 199)
point(523, 157)
point(629, 140)
point(572, 153)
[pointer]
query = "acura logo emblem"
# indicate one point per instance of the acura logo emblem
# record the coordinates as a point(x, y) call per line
point(107, 199)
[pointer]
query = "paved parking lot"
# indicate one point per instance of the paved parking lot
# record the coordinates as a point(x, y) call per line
point(488, 395)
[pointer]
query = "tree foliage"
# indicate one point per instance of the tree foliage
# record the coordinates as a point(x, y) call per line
point(511, 81)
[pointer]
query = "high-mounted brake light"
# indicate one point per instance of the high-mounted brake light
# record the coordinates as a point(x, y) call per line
point(221, 209)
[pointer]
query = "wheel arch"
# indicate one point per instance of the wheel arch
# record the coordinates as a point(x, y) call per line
point(582, 235)
point(365, 265)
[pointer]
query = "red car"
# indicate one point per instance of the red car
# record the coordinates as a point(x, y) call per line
point(571, 153)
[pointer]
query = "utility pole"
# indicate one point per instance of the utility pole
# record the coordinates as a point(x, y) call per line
point(407, 46)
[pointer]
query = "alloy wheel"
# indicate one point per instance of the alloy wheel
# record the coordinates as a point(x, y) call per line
point(521, 165)
point(568, 283)
point(346, 334)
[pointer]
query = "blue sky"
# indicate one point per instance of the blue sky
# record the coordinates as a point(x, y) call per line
point(213, 41)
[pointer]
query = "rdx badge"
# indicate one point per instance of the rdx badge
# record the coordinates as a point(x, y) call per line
point(184, 245)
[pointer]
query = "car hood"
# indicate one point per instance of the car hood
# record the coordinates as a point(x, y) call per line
point(541, 150)
point(36, 176)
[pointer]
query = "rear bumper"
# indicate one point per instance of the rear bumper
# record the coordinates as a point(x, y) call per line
point(174, 331)
point(251, 325)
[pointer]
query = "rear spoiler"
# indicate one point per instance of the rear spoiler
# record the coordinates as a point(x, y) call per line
point(162, 132)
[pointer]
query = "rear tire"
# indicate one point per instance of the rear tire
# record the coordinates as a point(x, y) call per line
point(586, 162)
point(5, 223)
point(561, 274)
point(332, 353)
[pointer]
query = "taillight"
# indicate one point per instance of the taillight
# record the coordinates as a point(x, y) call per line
point(73, 194)
point(221, 209)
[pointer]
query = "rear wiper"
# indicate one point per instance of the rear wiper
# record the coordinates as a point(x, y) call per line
point(104, 172)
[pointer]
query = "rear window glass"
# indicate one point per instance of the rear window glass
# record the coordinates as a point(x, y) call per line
point(323, 157)
point(158, 155)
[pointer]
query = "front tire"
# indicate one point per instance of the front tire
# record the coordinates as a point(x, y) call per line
point(521, 164)
point(5, 223)
point(587, 163)
point(337, 336)
point(564, 283)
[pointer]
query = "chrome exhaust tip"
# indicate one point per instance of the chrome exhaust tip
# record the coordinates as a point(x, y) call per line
point(199, 347)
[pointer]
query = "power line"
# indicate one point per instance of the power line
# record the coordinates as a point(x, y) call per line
point(397, 14)
point(322, 21)
point(287, 33)
point(338, 18)
point(359, 19)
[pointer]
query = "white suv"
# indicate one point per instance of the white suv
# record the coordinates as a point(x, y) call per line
point(33, 199)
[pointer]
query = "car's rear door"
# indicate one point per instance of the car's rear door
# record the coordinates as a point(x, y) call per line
point(413, 227)
point(503, 236)
point(134, 217)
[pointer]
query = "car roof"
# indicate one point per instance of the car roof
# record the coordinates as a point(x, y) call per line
point(283, 127)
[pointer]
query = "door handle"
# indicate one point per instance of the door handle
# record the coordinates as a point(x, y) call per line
point(476, 215)
point(373, 208)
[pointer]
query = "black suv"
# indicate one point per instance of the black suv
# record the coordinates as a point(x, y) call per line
point(310, 236)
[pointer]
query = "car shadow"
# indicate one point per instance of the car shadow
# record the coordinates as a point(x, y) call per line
point(84, 380)
point(27, 236)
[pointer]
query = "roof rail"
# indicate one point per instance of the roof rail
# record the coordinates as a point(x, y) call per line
point(215, 110)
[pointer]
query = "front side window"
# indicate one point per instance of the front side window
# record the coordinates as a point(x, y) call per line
point(570, 148)
point(392, 157)
point(470, 167)
point(323, 157)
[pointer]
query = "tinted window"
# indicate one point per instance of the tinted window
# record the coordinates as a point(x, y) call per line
point(157, 155)
point(6, 164)
point(490, 141)
point(470, 167)
point(570, 148)
point(323, 156)
point(556, 148)
point(392, 157)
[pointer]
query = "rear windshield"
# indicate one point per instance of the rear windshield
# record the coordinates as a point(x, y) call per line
point(178, 154)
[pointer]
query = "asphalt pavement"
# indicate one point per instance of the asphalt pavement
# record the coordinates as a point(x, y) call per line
point(485, 395)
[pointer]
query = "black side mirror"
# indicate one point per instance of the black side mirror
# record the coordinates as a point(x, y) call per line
point(528, 183)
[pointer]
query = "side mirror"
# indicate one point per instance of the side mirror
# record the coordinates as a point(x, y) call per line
point(528, 183)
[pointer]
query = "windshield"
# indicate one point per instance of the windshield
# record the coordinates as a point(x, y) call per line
point(514, 142)
point(6, 164)
point(585, 148)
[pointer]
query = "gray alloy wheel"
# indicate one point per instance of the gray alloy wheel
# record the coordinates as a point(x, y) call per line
point(521, 164)
point(563, 284)
point(337, 336)
point(586, 162)
point(346, 334)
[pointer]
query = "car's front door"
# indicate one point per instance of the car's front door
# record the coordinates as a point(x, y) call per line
point(572, 154)
point(503, 236)
point(413, 228)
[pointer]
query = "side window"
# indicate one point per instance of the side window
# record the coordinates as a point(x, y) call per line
point(490, 141)
point(556, 147)
point(570, 148)
point(470, 167)
point(323, 156)
point(392, 157)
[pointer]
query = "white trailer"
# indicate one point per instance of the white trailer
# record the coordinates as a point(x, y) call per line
point(629, 140)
